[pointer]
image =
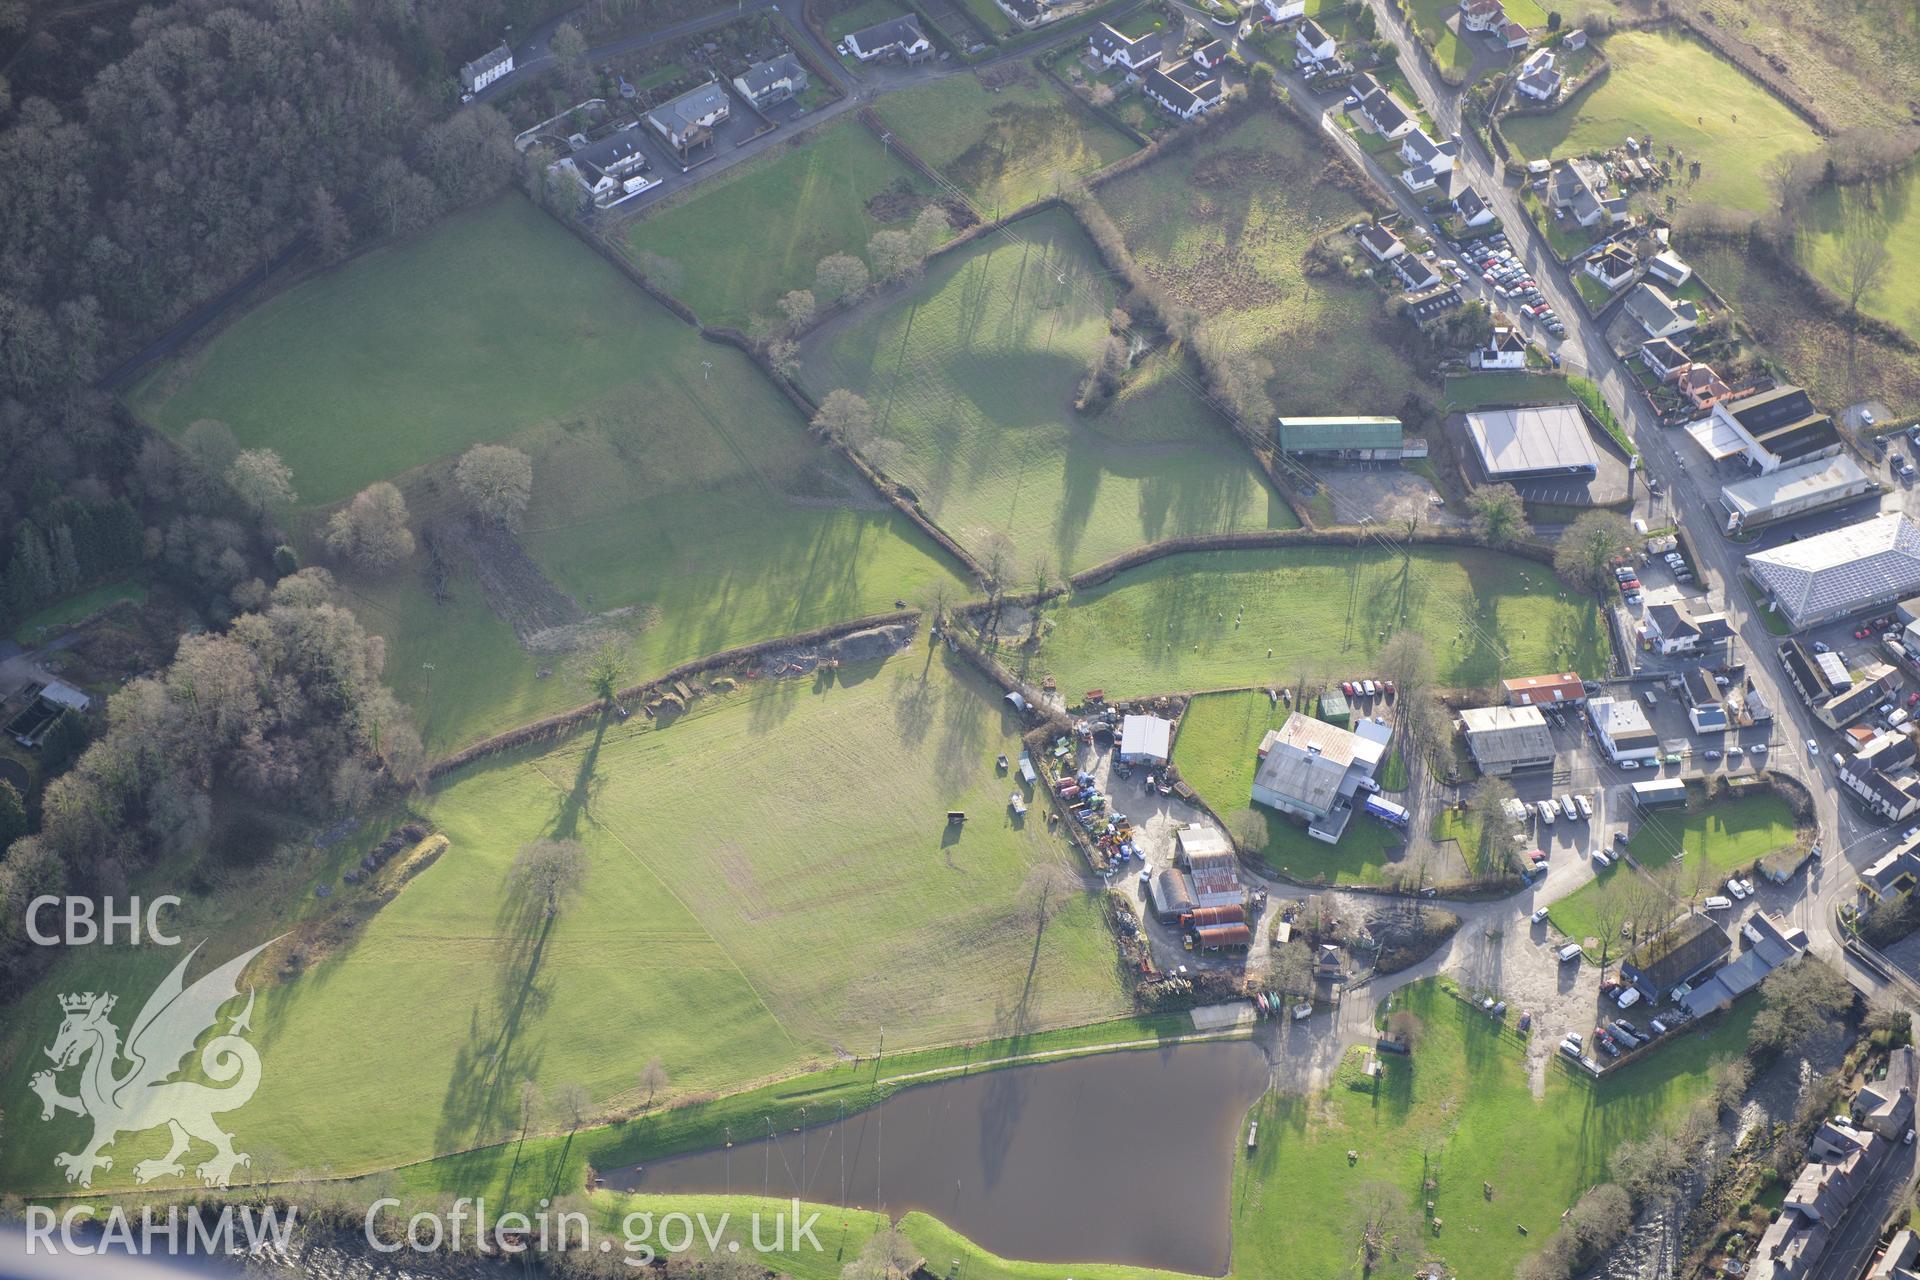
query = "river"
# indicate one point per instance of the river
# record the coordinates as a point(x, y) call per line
point(1118, 1157)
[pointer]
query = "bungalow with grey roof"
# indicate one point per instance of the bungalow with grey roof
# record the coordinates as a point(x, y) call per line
point(772, 82)
point(895, 38)
point(688, 121)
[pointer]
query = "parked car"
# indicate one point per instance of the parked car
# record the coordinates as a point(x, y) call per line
point(1658, 1027)
point(1569, 952)
point(1586, 808)
point(1734, 888)
point(1629, 996)
point(1712, 754)
point(1567, 809)
point(1545, 809)
point(1346, 687)
point(1601, 858)
point(1366, 686)
point(1717, 903)
point(1813, 749)
point(1569, 1048)
point(1539, 916)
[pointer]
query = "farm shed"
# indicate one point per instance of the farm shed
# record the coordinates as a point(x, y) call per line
point(1145, 740)
point(1207, 917)
point(1223, 937)
point(1367, 438)
point(1171, 897)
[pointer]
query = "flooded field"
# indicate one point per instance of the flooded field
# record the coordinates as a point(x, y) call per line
point(1122, 1157)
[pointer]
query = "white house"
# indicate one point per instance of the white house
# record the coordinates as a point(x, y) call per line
point(688, 120)
point(1659, 315)
point(1622, 729)
point(1506, 348)
point(1613, 267)
point(1116, 49)
point(1388, 118)
point(1669, 267)
point(487, 68)
point(1481, 15)
point(1284, 10)
point(1539, 80)
point(1381, 244)
point(1211, 55)
point(1184, 90)
point(897, 37)
point(770, 83)
point(1312, 44)
point(1472, 209)
point(1418, 148)
point(612, 170)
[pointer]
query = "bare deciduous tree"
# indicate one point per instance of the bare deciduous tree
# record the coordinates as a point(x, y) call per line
point(891, 253)
point(550, 871)
point(1381, 1222)
point(1499, 514)
point(846, 416)
point(798, 306)
point(572, 1104)
point(1588, 546)
point(261, 479)
point(497, 481)
point(839, 277)
point(371, 531)
point(653, 1078)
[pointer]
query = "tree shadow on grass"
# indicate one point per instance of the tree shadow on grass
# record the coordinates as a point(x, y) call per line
point(481, 1098)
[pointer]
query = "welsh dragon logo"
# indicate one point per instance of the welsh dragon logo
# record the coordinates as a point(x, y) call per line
point(143, 1095)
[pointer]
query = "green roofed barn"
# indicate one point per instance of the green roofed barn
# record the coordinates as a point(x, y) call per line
point(1368, 439)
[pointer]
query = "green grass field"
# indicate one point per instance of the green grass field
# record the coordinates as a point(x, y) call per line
point(670, 479)
point(756, 231)
point(972, 373)
point(1215, 752)
point(1886, 211)
point(747, 911)
point(1459, 1111)
point(36, 628)
point(1206, 620)
point(495, 321)
point(1656, 80)
point(1728, 835)
point(1005, 149)
point(1223, 228)
point(1843, 59)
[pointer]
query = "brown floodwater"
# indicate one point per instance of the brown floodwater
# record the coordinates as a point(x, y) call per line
point(1119, 1157)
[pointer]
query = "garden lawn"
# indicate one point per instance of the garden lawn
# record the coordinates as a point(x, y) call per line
point(1728, 835)
point(1215, 752)
point(1675, 88)
point(1223, 227)
point(1461, 1104)
point(1475, 390)
point(1006, 149)
point(1886, 209)
point(748, 909)
point(861, 15)
point(971, 374)
point(1207, 620)
point(748, 235)
point(33, 630)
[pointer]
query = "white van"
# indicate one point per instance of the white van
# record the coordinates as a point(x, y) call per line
point(1717, 903)
point(1628, 997)
point(1569, 952)
point(1545, 809)
point(1601, 858)
point(1567, 810)
point(1586, 809)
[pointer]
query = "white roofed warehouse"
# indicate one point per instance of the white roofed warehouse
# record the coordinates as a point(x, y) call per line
point(1794, 491)
point(1145, 739)
point(1523, 444)
point(1842, 571)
